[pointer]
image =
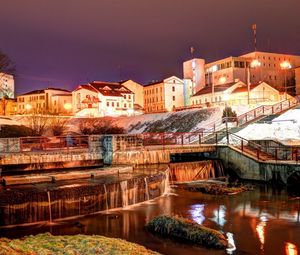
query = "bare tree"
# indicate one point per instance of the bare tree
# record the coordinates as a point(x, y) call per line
point(38, 123)
point(7, 67)
point(58, 125)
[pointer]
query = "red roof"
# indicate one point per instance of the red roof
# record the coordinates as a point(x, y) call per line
point(106, 88)
point(244, 88)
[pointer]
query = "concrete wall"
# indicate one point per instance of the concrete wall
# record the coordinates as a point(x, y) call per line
point(250, 169)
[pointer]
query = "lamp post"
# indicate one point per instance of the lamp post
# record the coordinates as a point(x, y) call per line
point(226, 98)
point(254, 64)
point(285, 66)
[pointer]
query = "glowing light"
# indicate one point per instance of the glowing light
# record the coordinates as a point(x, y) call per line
point(290, 249)
point(255, 63)
point(68, 106)
point(285, 65)
point(28, 107)
point(219, 215)
point(222, 80)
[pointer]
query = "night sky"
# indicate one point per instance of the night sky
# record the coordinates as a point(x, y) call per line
point(62, 43)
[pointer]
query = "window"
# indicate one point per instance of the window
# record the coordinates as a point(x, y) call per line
point(125, 105)
point(173, 89)
point(173, 98)
point(129, 96)
point(107, 104)
point(112, 104)
point(118, 104)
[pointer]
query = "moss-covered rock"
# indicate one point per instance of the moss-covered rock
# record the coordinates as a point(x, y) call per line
point(47, 244)
point(186, 230)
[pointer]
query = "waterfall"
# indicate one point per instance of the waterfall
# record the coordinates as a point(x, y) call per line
point(49, 205)
point(105, 197)
point(135, 191)
point(167, 182)
point(124, 190)
point(193, 171)
point(146, 189)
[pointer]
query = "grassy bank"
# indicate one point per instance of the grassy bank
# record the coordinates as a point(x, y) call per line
point(46, 244)
point(187, 231)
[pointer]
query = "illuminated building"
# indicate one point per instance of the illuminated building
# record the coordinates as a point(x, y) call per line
point(103, 99)
point(7, 85)
point(194, 70)
point(44, 101)
point(237, 94)
point(138, 91)
point(164, 95)
point(240, 68)
point(297, 79)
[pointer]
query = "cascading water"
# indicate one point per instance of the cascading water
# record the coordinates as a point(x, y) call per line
point(49, 206)
point(124, 190)
point(105, 197)
point(146, 189)
point(193, 171)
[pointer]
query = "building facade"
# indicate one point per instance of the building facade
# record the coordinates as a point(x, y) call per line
point(138, 91)
point(297, 79)
point(103, 99)
point(194, 70)
point(45, 101)
point(7, 85)
point(165, 95)
point(236, 93)
point(252, 68)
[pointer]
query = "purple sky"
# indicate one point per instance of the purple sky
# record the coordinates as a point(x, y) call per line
point(62, 43)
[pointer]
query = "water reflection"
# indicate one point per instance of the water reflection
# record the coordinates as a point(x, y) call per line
point(196, 213)
point(219, 215)
point(260, 229)
point(291, 249)
point(231, 244)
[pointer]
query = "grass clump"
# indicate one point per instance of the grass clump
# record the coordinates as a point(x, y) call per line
point(47, 244)
point(187, 231)
point(217, 188)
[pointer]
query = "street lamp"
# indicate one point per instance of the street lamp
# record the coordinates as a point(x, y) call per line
point(68, 107)
point(226, 98)
point(254, 64)
point(285, 66)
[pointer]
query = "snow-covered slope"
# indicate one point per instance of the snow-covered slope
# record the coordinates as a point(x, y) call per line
point(285, 128)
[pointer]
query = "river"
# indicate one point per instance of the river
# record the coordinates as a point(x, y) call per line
point(263, 221)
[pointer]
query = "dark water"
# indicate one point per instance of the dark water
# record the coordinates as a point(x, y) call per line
point(264, 221)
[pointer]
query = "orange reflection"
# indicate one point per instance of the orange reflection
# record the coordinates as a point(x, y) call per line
point(260, 229)
point(290, 249)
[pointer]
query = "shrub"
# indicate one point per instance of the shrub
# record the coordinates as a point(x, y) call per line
point(186, 230)
point(99, 126)
point(8, 131)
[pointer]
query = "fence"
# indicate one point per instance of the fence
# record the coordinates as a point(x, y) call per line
point(25, 144)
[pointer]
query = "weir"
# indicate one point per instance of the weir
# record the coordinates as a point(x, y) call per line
point(31, 204)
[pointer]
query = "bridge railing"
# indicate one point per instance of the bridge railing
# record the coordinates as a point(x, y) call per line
point(26, 144)
point(260, 152)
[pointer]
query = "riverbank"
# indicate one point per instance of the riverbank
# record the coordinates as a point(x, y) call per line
point(77, 244)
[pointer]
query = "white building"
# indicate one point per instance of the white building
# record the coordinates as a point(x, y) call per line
point(7, 85)
point(164, 95)
point(103, 99)
point(236, 93)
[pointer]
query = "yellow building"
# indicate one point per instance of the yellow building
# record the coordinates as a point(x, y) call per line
point(164, 95)
point(8, 106)
point(45, 101)
point(138, 91)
